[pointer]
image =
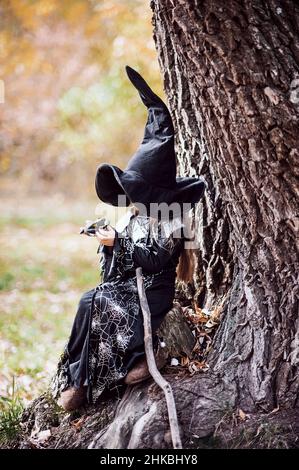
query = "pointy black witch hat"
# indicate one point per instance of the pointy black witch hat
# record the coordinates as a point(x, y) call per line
point(150, 176)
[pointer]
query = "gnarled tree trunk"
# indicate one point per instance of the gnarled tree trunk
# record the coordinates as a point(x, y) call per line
point(230, 69)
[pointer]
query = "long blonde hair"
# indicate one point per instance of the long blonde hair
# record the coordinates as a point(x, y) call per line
point(186, 265)
point(187, 262)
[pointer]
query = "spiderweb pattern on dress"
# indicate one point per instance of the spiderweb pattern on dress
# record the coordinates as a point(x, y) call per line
point(112, 329)
point(114, 316)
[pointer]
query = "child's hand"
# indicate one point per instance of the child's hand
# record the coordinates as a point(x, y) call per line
point(106, 236)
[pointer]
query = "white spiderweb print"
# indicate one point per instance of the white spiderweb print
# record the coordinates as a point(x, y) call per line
point(112, 328)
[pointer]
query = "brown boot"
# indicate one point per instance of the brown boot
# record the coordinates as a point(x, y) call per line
point(140, 371)
point(72, 398)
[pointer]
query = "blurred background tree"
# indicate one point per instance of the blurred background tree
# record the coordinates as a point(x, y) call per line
point(68, 103)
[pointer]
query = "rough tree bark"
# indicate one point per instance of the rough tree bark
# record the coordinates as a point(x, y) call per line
point(229, 69)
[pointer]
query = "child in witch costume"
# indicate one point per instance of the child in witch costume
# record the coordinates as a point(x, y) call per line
point(106, 346)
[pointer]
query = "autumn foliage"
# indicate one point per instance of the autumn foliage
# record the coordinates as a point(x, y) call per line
point(67, 102)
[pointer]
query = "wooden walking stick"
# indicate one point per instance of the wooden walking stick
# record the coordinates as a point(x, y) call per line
point(150, 358)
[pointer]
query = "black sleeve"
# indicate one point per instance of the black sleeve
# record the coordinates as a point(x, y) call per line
point(105, 260)
point(151, 256)
point(154, 258)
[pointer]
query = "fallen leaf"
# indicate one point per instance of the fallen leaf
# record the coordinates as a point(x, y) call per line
point(210, 324)
point(243, 416)
point(185, 361)
point(78, 423)
point(196, 366)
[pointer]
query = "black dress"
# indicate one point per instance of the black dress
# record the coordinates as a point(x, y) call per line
point(107, 335)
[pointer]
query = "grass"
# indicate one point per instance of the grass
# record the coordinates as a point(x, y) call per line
point(11, 408)
point(45, 267)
